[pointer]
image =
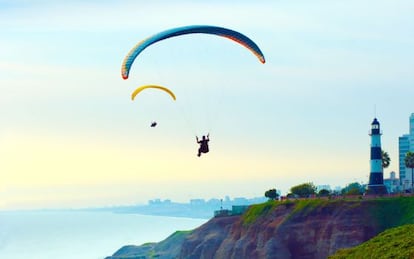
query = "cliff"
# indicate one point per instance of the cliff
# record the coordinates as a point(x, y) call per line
point(168, 248)
point(313, 228)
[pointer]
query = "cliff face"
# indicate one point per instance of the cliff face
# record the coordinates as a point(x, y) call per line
point(302, 229)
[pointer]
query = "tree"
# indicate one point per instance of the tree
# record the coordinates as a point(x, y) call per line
point(272, 194)
point(353, 189)
point(324, 193)
point(303, 190)
point(409, 163)
point(386, 160)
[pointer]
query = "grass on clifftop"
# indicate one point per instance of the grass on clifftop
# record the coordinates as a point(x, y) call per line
point(387, 212)
point(397, 243)
point(302, 206)
point(305, 206)
point(257, 210)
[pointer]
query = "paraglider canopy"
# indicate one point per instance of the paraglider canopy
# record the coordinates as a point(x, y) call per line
point(141, 88)
point(219, 31)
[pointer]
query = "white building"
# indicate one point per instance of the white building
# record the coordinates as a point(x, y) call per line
point(392, 184)
point(405, 144)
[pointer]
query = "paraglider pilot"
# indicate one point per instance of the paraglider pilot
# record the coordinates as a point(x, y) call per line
point(203, 144)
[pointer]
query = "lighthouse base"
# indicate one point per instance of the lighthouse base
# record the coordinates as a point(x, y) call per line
point(376, 189)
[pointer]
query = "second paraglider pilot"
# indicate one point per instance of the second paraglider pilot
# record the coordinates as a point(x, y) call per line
point(203, 144)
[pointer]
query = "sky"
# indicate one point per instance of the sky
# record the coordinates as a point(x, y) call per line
point(71, 137)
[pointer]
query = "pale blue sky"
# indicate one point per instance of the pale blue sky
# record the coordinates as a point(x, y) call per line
point(68, 127)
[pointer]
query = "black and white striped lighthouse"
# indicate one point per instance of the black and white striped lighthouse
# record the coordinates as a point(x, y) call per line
point(376, 176)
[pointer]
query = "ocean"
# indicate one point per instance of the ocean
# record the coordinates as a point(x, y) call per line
point(81, 235)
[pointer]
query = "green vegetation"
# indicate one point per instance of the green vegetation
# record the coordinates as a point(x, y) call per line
point(271, 194)
point(181, 232)
point(386, 160)
point(392, 212)
point(384, 213)
point(304, 207)
point(353, 189)
point(258, 210)
point(397, 243)
point(308, 205)
point(409, 163)
point(303, 190)
point(324, 193)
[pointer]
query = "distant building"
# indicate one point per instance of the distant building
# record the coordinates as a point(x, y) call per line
point(404, 147)
point(337, 189)
point(214, 202)
point(392, 184)
point(412, 127)
point(222, 213)
point(159, 202)
point(197, 202)
point(235, 210)
point(240, 201)
point(154, 202)
point(405, 144)
point(238, 209)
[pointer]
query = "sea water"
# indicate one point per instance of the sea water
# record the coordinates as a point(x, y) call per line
point(78, 235)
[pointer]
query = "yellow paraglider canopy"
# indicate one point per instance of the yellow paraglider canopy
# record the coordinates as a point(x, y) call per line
point(139, 89)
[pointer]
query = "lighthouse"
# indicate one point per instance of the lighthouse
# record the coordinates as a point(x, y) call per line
point(376, 176)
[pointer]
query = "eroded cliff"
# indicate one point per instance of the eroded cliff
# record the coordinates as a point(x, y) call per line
point(313, 228)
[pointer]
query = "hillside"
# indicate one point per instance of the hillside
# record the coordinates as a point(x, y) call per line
point(164, 249)
point(313, 228)
point(395, 243)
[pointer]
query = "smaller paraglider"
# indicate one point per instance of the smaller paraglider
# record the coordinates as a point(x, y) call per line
point(203, 144)
point(141, 88)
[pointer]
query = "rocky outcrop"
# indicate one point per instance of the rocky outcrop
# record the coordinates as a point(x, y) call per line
point(166, 249)
point(300, 229)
